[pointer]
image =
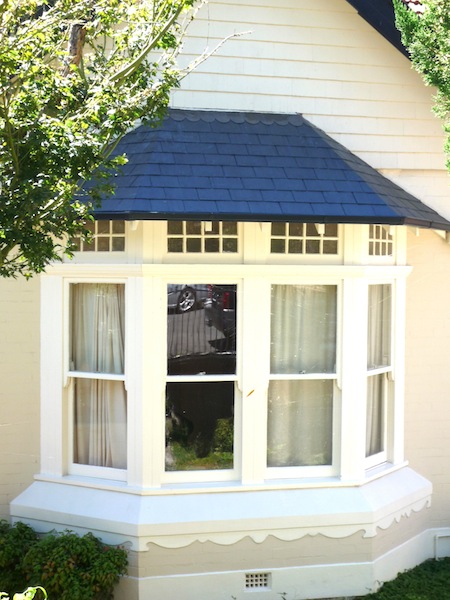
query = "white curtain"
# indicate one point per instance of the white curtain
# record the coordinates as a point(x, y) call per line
point(97, 344)
point(303, 340)
point(378, 355)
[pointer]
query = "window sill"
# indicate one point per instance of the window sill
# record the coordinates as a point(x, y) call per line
point(177, 517)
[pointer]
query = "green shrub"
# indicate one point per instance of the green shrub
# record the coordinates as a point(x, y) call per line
point(71, 567)
point(68, 566)
point(15, 542)
point(428, 581)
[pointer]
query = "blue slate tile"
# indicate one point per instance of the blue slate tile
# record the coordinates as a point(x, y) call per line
point(296, 208)
point(247, 195)
point(255, 166)
point(258, 183)
point(277, 195)
point(251, 160)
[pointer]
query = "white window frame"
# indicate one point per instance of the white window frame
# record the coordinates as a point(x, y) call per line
point(146, 362)
point(74, 468)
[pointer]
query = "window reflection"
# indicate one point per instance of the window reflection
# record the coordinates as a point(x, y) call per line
point(201, 340)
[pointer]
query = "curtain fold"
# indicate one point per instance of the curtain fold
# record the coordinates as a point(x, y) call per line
point(97, 344)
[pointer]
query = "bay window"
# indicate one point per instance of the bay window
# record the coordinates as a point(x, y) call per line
point(231, 371)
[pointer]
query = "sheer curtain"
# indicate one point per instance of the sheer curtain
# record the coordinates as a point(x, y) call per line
point(378, 356)
point(303, 341)
point(97, 345)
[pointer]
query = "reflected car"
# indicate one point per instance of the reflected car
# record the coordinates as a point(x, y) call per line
point(183, 297)
point(220, 309)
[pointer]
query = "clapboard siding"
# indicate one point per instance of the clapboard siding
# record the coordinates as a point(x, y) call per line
point(323, 60)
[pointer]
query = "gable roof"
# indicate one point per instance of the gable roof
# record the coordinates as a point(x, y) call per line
point(380, 14)
point(207, 165)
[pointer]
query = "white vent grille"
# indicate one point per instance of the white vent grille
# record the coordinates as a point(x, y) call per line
point(257, 581)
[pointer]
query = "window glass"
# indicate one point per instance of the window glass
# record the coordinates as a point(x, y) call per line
point(376, 401)
point(201, 341)
point(199, 426)
point(378, 358)
point(97, 347)
point(300, 420)
point(303, 329)
point(379, 326)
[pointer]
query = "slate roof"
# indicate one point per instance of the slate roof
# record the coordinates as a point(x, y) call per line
point(205, 165)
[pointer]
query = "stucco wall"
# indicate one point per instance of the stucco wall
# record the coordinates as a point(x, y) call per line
point(19, 391)
point(427, 416)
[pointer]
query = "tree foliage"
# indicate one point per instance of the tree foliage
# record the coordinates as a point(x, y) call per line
point(427, 39)
point(75, 76)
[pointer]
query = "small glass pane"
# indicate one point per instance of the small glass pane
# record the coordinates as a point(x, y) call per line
point(230, 245)
point(311, 229)
point(118, 227)
point(193, 245)
point(89, 246)
point(118, 244)
point(331, 229)
point(295, 246)
point(103, 244)
point(300, 423)
point(312, 246)
point(329, 247)
point(193, 227)
point(201, 329)
point(279, 229)
point(303, 329)
point(175, 227)
point(199, 426)
point(296, 229)
point(175, 245)
point(229, 228)
point(277, 246)
point(212, 245)
point(103, 226)
point(90, 226)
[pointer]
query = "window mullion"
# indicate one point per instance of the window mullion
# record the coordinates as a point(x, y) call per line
point(254, 377)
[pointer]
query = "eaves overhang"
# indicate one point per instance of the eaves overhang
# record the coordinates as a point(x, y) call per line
point(210, 165)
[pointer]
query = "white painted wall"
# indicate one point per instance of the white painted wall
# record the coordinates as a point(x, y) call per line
point(19, 389)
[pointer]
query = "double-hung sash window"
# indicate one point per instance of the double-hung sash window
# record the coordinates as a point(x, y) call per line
point(258, 371)
point(201, 381)
point(97, 335)
point(303, 374)
point(379, 369)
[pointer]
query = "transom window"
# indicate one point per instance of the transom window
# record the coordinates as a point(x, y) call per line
point(381, 242)
point(304, 238)
point(107, 236)
point(202, 237)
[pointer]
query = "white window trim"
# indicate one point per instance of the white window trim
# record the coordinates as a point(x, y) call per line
point(146, 287)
